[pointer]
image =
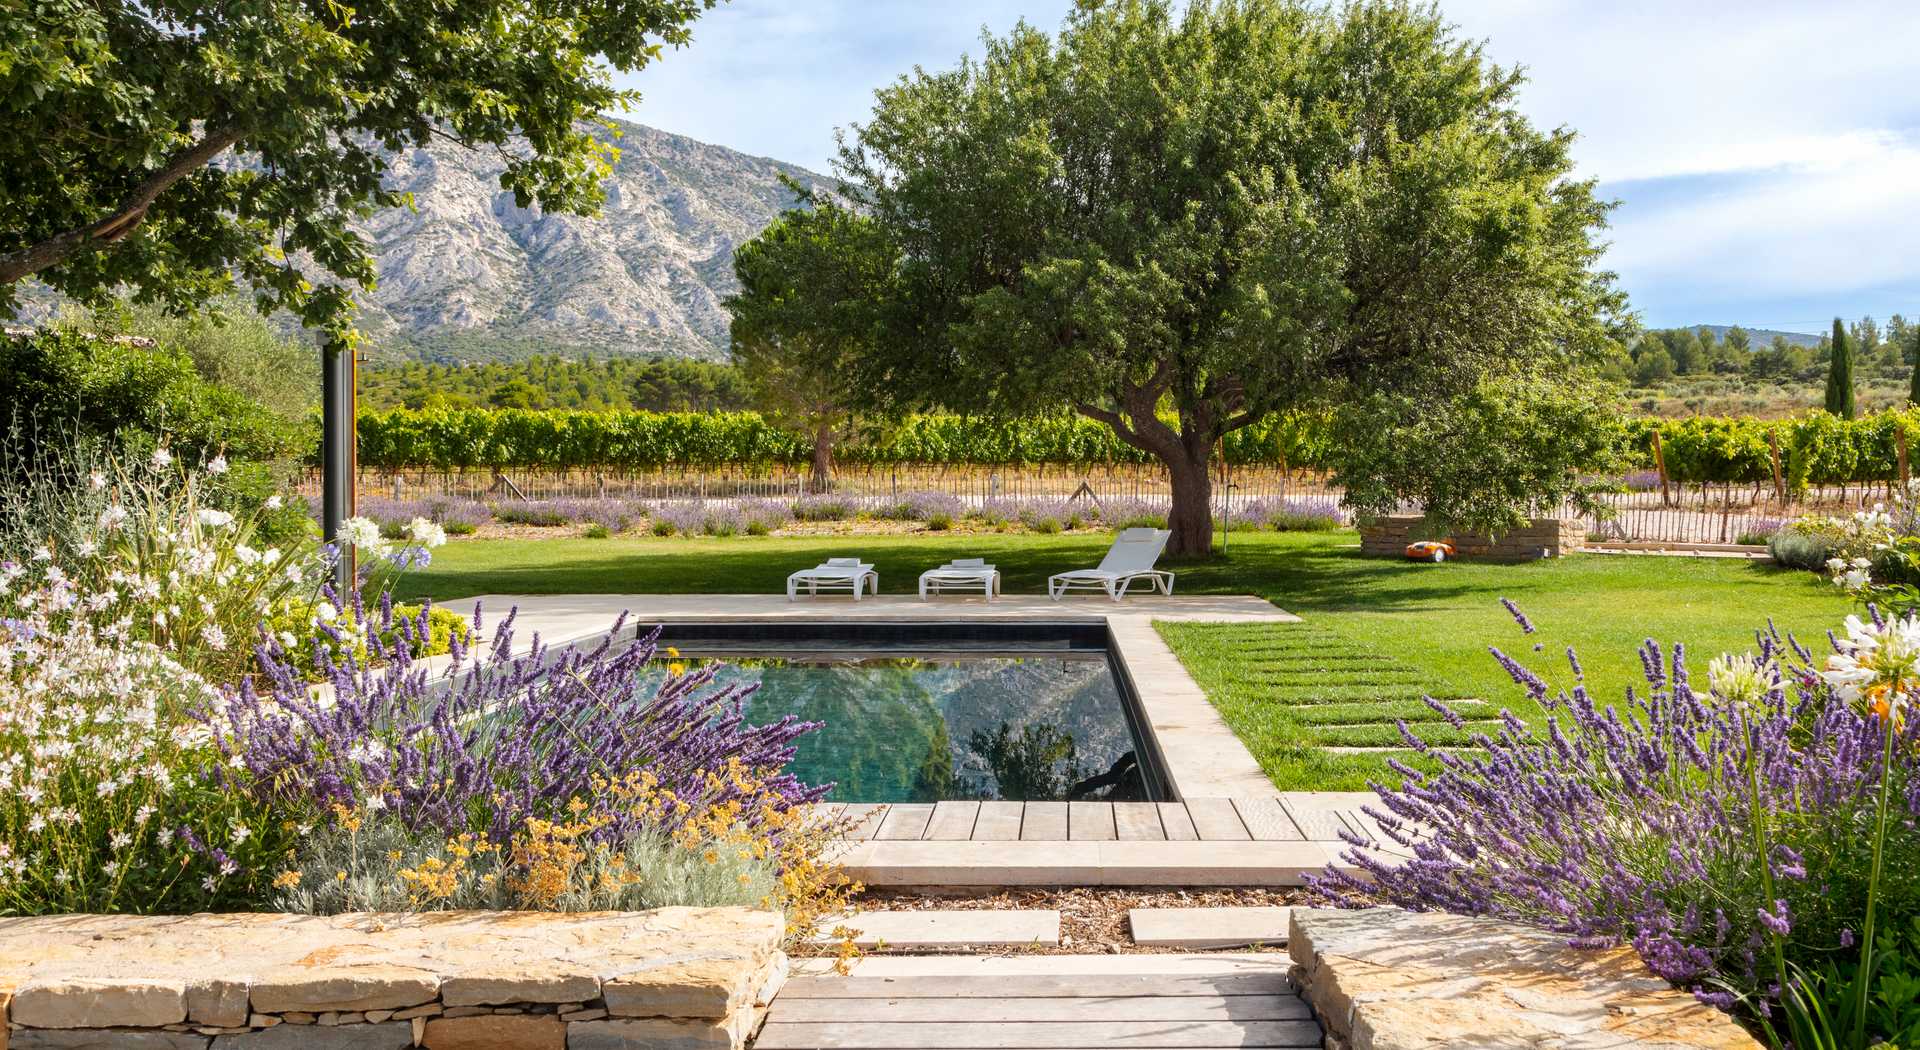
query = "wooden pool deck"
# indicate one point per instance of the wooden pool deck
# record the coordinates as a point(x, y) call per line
point(1270, 841)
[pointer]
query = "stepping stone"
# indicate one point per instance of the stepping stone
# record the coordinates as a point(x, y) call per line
point(927, 930)
point(1208, 927)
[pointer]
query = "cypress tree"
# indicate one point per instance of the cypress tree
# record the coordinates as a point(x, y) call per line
point(1840, 374)
point(1913, 383)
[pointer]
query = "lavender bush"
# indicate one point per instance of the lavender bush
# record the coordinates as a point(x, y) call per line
point(923, 506)
point(511, 739)
point(455, 515)
point(1735, 835)
point(762, 516)
point(1291, 514)
point(1127, 513)
point(827, 507)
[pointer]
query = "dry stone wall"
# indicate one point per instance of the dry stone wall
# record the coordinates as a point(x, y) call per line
point(1541, 537)
point(673, 979)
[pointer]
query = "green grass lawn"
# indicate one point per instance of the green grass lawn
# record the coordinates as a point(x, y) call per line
point(1379, 632)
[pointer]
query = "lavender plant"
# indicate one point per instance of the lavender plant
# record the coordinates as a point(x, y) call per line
point(507, 738)
point(1735, 835)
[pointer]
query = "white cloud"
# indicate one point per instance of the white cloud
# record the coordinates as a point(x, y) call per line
point(1765, 150)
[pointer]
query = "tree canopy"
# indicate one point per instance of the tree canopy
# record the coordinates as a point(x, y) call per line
point(174, 148)
point(1182, 222)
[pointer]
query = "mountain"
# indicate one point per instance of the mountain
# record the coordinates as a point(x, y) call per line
point(1759, 338)
point(467, 274)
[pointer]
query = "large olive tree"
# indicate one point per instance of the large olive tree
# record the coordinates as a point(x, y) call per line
point(167, 148)
point(1178, 222)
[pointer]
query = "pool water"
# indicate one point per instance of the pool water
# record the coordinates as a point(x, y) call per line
point(924, 727)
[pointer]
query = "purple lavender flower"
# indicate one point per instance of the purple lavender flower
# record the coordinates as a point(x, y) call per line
point(1526, 625)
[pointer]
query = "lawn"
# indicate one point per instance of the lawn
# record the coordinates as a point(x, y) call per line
point(1379, 632)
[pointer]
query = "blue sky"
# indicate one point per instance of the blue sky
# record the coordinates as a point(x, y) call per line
point(1766, 153)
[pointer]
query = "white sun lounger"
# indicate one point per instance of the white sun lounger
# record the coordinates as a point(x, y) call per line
point(835, 574)
point(1131, 558)
point(961, 573)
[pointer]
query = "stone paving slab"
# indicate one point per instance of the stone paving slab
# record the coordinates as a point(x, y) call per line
point(1385, 979)
point(935, 930)
point(1208, 927)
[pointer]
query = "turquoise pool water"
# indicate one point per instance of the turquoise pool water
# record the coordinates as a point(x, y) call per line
point(928, 727)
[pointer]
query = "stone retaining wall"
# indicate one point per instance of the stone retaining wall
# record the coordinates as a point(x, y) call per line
point(673, 979)
point(1385, 979)
point(1556, 536)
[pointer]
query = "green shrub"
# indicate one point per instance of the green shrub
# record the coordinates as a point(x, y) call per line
point(661, 527)
point(1796, 549)
point(1045, 525)
point(598, 532)
point(939, 521)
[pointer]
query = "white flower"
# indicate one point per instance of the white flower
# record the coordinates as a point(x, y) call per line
point(1879, 660)
point(1862, 563)
point(287, 641)
point(1836, 565)
point(97, 480)
point(121, 840)
point(362, 534)
point(110, 868)
point(217, 465)
point(113, 517)
point(43, 554)
point(215, 638)
point(162, 459)
point(214, 519)
point(240, 833)
point(1739, 680)
point(324, 612)
point(425, 533)
point(273, 503)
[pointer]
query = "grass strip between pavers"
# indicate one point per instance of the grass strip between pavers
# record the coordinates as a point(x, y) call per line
point(1292, 690)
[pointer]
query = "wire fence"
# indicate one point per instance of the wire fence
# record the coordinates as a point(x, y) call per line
point(1708, 513)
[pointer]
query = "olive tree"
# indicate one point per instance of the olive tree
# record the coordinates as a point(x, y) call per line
point(168, 148)
point(1180, 221)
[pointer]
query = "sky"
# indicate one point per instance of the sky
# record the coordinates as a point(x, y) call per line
point(1765, 153)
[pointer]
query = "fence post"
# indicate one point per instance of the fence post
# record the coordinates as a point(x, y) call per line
point(1660, 464)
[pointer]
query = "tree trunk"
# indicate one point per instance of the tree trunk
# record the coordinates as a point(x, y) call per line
point(821, 479)
point(1191, 517)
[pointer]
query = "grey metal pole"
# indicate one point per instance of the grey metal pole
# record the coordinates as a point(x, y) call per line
point(337, 453)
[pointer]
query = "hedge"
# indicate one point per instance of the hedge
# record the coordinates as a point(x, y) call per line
point(1815, 449)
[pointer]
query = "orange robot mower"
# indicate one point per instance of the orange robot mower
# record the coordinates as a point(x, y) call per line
point(1429, 550)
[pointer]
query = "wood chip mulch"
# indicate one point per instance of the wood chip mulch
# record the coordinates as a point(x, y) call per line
point(1093, 920)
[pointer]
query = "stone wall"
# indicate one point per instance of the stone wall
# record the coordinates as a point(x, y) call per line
point(1385, 979)
point(1390, 535)
point(673, 979)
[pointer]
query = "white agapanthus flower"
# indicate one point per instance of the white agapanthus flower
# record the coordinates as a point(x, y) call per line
point(425, 533)
point(213, 519)
point(1738, 680)
point(362, 534)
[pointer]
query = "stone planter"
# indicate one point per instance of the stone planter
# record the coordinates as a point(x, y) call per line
point(673, 979)
point(1542, 537)
point(1385, 979)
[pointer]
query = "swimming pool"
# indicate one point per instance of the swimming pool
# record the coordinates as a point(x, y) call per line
point(924, 712)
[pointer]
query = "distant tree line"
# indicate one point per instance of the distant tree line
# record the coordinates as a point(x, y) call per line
point(651, 384)
point(1659, 355)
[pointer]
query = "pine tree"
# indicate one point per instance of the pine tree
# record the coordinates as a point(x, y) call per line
point(1840, 374)
point(1913, 383)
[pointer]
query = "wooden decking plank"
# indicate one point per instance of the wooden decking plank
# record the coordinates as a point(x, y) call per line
point(1106, 986)
point(1036, 1035)
point(1090, 821)
point(953, 820)
point(1319, 822)
point(1215, 820)
point(1266, 821)
point(998, 822)
point(1138, 822)
point(905, 820)
point(1044, 822)
point(1057, 1008)
point(864, 818)
point(1177, 822)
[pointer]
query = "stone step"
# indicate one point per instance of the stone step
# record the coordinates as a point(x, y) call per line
point(1208, 927)
point(948, 930)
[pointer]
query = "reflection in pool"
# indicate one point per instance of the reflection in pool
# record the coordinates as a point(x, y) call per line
point(951, 726)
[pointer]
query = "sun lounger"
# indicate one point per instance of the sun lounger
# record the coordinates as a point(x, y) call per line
point(961, 573)
point(833, 575)
point(1129, 560)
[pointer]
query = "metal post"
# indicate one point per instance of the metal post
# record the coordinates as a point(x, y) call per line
point(337, 452)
